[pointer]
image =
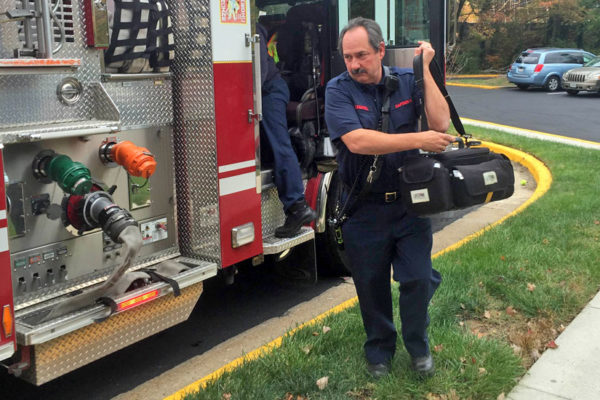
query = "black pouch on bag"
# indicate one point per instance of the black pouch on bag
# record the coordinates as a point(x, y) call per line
point(466, 156)
point(425, 186)
point(484, 182)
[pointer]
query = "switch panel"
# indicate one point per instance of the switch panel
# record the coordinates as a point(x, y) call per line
point(154, 231)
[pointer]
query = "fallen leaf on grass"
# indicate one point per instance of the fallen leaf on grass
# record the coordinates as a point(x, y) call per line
point(530, 287)
point(596, 222)
point(487, 314)
point(535, 354)
point(226, 396)
point(561, 328)
point(315, 333)
point(323, 382)
point(437, 348)
point(462, 306)
point(326, 329)
point(511, 311)
point(482, 371)
point(551, 345)
point(501, 396)
point(307, 349)
point(503, 258)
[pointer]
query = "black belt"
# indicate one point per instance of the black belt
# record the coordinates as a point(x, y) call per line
point(387, 197)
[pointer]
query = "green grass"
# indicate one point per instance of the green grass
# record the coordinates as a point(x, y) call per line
point(493, 81)
point(553, 244)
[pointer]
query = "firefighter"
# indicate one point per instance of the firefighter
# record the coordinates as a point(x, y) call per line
point(288, 178)
point(379, 232)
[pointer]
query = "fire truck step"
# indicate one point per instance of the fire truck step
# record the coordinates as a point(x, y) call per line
point(275, 245)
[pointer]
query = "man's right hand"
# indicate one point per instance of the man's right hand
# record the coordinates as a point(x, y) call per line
point(434, 141)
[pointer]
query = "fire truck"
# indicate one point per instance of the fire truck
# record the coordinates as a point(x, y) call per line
point(132, 162)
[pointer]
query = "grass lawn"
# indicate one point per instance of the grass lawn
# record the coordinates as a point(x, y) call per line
point(491, 81)
point(505, 296)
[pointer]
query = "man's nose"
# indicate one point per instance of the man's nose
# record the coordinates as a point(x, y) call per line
point(354, 64)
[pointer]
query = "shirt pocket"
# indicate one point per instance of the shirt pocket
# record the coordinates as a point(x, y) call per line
point(368, 118)
point(403, 115)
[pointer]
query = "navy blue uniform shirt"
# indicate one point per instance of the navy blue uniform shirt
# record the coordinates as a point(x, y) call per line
point(351, 105)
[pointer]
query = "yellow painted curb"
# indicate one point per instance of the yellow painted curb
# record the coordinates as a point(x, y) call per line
point(474, 122)
point(474, 86)
point(541, 174)
point(462, 76)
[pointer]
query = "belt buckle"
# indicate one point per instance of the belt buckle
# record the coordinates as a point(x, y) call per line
point(390, 197)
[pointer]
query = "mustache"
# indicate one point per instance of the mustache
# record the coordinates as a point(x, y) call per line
point(358, 71)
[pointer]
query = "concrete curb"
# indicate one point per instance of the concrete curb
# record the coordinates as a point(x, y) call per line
point(533, 134)
point(540, 173)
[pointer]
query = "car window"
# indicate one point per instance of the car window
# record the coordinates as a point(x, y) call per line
point(595, 62)
point(528, 58)
point(562, 58)
point(587, 58)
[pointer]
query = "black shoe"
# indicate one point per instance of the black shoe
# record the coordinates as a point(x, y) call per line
point(297, 215)
point(423, 365)
point(378, 370)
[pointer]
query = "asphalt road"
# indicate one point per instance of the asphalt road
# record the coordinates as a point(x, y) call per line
point(556, 113)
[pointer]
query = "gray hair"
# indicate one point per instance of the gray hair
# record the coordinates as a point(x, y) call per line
point(372, 28)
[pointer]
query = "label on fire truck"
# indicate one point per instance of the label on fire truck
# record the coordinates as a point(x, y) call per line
point(233, 11)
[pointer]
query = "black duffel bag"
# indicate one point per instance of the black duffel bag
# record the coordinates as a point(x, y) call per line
point(456, 178)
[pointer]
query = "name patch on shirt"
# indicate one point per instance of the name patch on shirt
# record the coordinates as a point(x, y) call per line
point(403, 103)
point(359, 107)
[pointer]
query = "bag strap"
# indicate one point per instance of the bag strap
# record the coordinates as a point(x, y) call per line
point(383, 125)
point(437, 77)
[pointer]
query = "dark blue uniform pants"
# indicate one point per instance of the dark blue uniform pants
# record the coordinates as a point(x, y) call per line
point(376, 236)
point(288, 178)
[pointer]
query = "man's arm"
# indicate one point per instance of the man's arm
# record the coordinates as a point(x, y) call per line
point(343, 124)
point(436, 107)
point(366, 141)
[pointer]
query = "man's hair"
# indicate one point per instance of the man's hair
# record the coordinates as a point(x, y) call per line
point(372, 28)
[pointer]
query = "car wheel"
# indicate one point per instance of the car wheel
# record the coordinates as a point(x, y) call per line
point(572, 92)
point(553, 84)
point(522, 86)
point(331, 259)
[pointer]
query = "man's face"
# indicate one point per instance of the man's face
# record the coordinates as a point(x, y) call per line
point(362, 61)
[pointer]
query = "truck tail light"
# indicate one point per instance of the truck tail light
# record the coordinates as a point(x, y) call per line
point(137, 300)
point(538, 68)
point(7, 321)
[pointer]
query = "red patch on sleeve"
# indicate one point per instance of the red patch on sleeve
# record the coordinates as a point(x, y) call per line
point(359, 107)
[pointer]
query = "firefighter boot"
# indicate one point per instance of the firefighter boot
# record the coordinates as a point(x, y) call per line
point(297, 215)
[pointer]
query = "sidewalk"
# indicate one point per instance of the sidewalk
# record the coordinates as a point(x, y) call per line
point(572, 371)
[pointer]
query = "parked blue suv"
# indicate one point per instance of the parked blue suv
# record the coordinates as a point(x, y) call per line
point(545, 66)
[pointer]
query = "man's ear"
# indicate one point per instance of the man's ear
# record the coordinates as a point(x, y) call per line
point(381, 50)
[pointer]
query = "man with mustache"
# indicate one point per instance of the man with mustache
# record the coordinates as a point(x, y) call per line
point(379, 232)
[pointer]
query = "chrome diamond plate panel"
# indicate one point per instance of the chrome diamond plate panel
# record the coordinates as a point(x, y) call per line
point(142, 102)
point(274, 245)
point(69, 352)
point(272, 211)
point(32, 99)
point(195, 132)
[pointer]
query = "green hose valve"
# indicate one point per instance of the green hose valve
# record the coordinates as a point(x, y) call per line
point(71, 176)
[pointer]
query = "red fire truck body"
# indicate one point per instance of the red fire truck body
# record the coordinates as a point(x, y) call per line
point(146, 114)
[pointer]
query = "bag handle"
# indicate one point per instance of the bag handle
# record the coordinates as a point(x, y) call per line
point(437, 77)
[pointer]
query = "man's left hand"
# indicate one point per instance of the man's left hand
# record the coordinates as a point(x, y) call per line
point(427, 50)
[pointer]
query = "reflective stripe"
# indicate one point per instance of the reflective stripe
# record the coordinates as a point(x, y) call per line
point(237, 183)
point(2, 214)
point(489, 196)
point(233, 167)
point(3, 239)
point(7, 350)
